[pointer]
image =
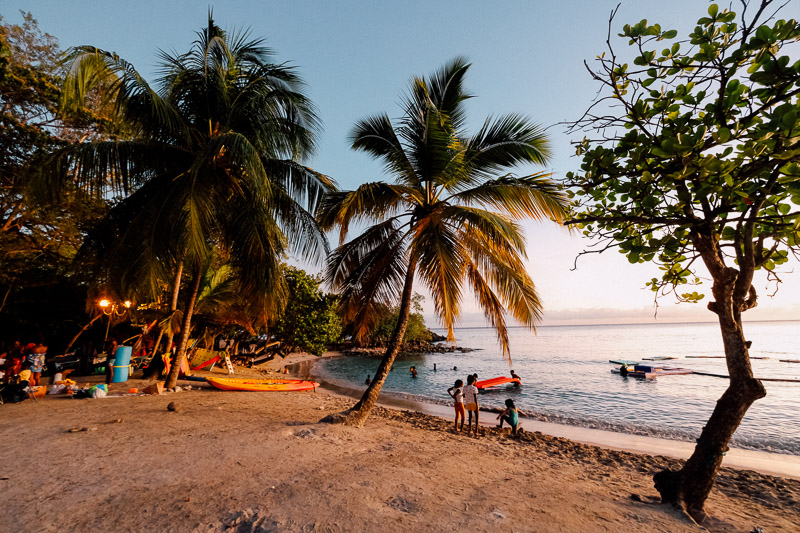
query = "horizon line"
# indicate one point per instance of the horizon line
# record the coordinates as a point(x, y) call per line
point(615, 324)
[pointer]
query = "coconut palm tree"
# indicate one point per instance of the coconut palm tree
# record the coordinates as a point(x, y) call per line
point(450, 217)
point(210, 160)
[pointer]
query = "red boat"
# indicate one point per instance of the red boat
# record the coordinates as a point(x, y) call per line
point(502, 380)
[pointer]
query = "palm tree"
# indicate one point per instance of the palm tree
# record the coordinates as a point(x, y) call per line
point(449, 217)
point(211, 161)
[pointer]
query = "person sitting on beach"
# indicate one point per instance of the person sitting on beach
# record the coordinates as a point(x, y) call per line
point(509, 415)
point(471, 403)
point(15, 392)
point(457, 395)
point(413, 372)
point(14, 359)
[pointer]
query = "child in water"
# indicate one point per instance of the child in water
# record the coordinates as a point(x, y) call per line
point(457, 395)
point(413, 372)
point(471, 403)
point(510, 415)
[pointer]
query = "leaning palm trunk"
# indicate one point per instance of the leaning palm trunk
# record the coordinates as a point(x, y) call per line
point(172, 378)
point(360, 412)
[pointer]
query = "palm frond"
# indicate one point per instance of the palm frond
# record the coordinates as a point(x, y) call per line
point(535, 196)
point(376, 136)
point(370, 201)
point(501, 266)
point(440, 262)
point(491, 305)
point(495, 227)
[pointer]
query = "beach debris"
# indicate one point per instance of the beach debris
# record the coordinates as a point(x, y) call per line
point(497, 514)
point(79, 430)
point(173, 407)
point(307, 433)
point(155, 388)
point(115, 421)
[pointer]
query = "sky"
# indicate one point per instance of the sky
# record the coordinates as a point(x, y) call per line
point(357, 58)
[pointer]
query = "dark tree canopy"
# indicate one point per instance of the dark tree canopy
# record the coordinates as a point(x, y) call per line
point(37, 245)
point(693, 157)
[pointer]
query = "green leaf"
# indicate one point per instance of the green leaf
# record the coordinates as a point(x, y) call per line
point(764, 33)
point(713, 9)
point(724, 135)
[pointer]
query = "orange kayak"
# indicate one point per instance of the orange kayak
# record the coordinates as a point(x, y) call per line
point(262, 385)
point(502, 380)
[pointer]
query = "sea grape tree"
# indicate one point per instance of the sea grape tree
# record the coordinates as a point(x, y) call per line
point(692, 158)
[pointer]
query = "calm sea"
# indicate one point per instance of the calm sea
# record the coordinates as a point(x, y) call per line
point(567, 378)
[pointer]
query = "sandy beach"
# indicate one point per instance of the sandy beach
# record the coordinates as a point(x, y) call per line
point(230, 461)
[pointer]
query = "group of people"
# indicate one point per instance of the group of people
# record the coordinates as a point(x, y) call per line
point(465, 399)
point(22, 368)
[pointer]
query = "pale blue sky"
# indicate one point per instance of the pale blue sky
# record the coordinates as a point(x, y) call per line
point(357, 58)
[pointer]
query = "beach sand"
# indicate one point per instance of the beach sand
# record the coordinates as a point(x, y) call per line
point(238, 461)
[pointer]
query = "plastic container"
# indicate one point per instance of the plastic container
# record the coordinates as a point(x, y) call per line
point(121, 367)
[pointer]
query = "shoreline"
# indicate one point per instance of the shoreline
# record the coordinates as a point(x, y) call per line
point(254, 461)
point(777, 464)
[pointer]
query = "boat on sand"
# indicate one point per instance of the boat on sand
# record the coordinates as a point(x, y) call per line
point(262, 385)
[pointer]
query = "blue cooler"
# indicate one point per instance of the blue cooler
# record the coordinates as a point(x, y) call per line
point(121, 365)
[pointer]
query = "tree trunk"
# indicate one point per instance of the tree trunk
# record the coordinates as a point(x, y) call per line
point(176, 286)
point(689, 487)
point(172, 378)
point(84, 328)
point(358, 414)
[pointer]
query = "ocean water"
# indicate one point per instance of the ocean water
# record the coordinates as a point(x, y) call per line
point(567, 378)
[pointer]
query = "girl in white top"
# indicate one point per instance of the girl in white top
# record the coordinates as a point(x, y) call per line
point(471, 403)
point(457, 394)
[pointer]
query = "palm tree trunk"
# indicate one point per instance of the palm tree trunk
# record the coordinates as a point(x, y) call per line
point(359, 413)
point(172, 378)
point(176, 287)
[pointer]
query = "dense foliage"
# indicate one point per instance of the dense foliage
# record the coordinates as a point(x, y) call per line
point(694, 160)
point(416, 330)
point(209, 166)
point(37, 245)
point(309, 322)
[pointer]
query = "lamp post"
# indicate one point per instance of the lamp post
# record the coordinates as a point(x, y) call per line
point(111, 308)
